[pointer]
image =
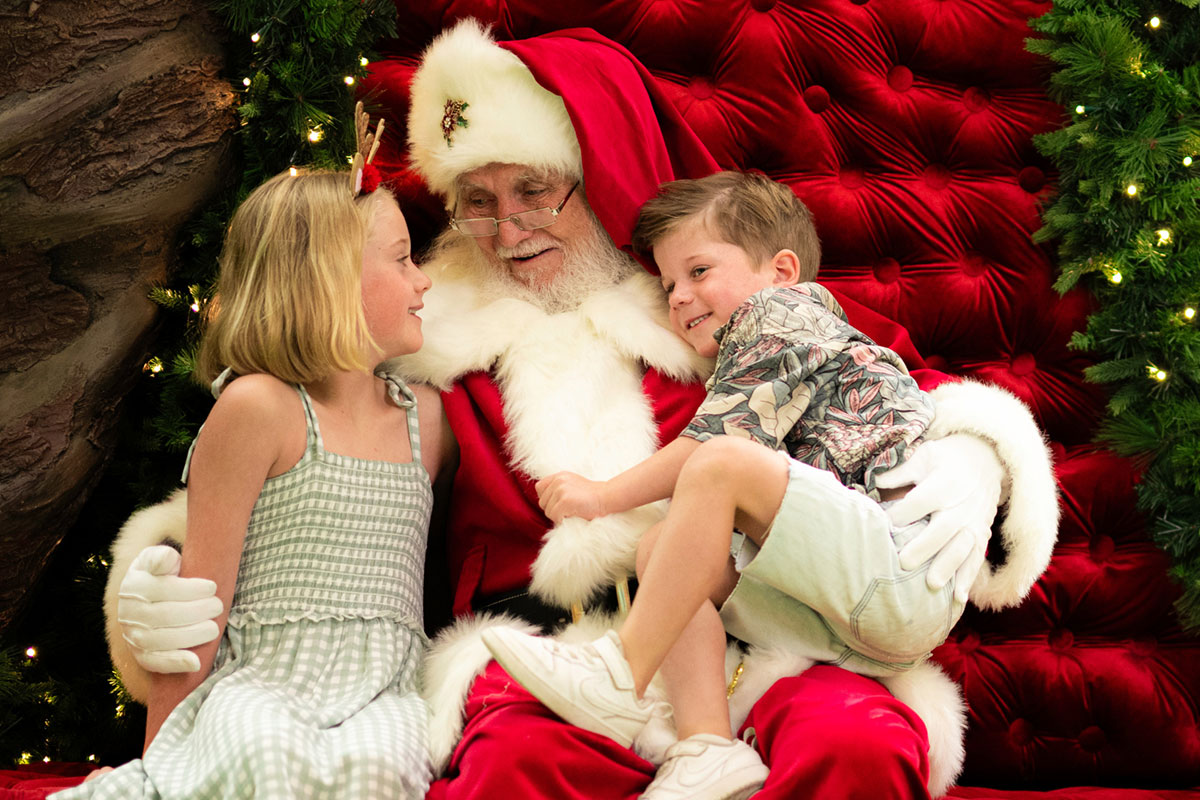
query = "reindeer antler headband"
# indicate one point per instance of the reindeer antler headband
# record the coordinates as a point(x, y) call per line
point(366, 178)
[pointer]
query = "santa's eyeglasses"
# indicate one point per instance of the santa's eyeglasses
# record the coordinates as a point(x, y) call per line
point(529, 220)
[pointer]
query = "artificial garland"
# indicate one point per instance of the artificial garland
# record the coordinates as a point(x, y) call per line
point(1127, 220)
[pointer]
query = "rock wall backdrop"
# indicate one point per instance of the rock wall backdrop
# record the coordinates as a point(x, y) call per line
point(115, 127)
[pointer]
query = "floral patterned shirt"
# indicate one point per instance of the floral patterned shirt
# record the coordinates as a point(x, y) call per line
point(794, 375)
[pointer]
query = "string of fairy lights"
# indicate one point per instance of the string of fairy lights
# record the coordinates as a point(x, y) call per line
point(1163, 236)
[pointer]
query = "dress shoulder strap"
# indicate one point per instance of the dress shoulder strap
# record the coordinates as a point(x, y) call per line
point(312, 429)
point(403, 397)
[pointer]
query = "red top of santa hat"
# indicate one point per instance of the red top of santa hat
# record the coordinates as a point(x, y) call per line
point(631, 137)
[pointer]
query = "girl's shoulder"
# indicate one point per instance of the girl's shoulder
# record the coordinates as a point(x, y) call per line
point(259, 414)
point(257, 399)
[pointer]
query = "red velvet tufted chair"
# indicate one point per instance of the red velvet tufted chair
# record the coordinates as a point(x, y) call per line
point(906, 127)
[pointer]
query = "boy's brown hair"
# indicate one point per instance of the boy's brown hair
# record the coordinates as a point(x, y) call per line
point(746, 209)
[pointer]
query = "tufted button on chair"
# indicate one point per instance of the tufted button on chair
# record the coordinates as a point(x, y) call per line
point(906, 127)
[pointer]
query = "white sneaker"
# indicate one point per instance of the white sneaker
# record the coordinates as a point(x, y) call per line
point(589, 685)
point(708, 767)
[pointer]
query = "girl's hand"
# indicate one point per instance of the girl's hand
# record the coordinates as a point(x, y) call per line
point(565, 494)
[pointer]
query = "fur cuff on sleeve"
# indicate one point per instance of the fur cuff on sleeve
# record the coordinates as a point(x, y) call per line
point(1029, 526)
point(163, 523)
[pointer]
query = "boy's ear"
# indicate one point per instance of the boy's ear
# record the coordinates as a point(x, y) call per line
point(785, 266)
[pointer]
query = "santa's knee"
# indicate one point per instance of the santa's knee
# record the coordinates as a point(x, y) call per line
point(877, 743)
point(864, 747)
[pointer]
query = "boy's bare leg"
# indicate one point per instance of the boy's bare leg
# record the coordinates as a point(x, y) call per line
point(728, 482)
point(694, 669)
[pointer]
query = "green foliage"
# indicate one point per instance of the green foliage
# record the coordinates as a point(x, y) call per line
point(66, 703)
point(1126, 220)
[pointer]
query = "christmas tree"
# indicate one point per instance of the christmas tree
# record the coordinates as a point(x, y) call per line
point(1126, 217)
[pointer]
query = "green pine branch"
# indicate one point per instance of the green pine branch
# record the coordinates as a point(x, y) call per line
point(1126, 220)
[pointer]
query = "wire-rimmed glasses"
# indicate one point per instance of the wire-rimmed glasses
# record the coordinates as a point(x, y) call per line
point(529, 220)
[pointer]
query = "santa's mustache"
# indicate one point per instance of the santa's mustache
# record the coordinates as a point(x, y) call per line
point(528, 247)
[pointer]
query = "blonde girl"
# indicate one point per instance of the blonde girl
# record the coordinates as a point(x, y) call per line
point(308, 506)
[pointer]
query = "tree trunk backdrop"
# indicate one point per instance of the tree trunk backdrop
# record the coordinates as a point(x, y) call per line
point(116, 126)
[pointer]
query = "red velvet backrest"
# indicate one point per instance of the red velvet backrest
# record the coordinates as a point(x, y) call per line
point(906, 127)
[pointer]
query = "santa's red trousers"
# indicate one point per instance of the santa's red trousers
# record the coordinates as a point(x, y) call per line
point(824, 733)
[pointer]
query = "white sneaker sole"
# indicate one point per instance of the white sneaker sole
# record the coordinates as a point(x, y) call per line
point(732, 787)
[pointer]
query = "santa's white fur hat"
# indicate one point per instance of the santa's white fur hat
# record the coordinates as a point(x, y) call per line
point(507, 117)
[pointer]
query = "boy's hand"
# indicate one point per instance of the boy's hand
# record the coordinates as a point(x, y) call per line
point(565, 494)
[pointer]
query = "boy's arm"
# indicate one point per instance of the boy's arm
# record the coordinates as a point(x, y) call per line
point(239, 446)
point(566, 494)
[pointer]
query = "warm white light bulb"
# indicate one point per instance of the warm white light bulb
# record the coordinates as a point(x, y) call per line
point(1187, 161)
point(293, 171)
point(363, 61)
point(1080, 109)
point(1131, 189)
point(1155, 22)
point(31, 652)
point(1160, 376)
point(194, 306)
point(349, 79)
point(245, 82)
point(315, 135)
point(1164, 235)
point(1189, 313)
point(1115, 277)
point(254, 37)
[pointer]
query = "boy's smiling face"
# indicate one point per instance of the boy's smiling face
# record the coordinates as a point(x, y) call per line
point(706, 279)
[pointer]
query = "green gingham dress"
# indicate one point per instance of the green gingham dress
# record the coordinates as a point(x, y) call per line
point(313, 691)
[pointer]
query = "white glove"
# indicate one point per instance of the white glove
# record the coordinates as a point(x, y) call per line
point(957, 483)
point(161, 613)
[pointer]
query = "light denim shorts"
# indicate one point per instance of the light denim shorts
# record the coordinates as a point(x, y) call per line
point(827, 582)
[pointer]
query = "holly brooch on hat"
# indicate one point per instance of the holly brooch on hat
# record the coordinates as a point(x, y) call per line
point(366, 177)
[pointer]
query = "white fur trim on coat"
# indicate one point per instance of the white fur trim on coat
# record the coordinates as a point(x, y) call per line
point(1029, 525)
point(457, 656)
point(571, 383)
point(166, 521)
point(510, 119)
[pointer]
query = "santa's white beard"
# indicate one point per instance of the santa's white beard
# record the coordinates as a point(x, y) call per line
point(590, 264)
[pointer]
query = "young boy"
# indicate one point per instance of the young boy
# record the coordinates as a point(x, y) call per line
point(780, 461)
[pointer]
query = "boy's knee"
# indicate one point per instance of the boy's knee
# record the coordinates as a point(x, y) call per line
point(715, 460)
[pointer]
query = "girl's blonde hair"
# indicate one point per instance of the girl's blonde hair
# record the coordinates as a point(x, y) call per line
point(289, 295)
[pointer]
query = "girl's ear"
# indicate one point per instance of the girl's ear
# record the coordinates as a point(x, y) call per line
point(785, 268)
